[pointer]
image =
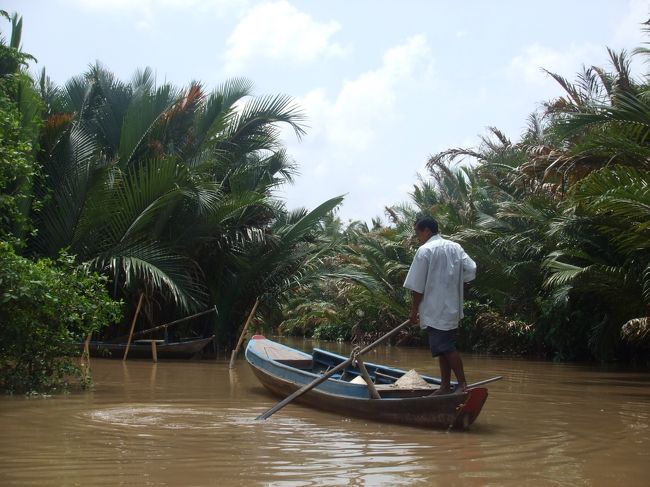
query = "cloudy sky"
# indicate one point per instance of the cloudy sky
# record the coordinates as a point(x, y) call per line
point(384, 83)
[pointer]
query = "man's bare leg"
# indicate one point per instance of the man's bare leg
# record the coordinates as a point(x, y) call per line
point(456, 364)
point(445, 375)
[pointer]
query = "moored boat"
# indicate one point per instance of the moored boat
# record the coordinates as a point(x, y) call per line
point(142, 348)
point(284, 370)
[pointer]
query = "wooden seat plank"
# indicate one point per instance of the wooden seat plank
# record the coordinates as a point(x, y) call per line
point(289, 357)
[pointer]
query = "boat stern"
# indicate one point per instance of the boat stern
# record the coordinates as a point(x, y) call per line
point(471, 408)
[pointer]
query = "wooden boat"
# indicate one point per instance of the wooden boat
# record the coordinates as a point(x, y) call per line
point(283, 370)
point(142, 348)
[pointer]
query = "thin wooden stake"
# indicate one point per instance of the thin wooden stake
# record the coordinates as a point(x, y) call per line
point(135, 317)
point(234, 353)
point(85, 359)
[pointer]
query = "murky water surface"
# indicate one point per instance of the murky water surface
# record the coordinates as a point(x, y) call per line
point(193, 424)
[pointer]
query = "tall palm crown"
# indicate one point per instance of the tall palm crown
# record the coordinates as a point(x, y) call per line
point(164, 190)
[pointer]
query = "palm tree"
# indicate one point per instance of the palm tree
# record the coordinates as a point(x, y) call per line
point(165, 190)
point(604, 251)
point(270, 266)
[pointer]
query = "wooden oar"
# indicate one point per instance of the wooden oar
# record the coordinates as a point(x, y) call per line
point(327, 375)
point(486, 381)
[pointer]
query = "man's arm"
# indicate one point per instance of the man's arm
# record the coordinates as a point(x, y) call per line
point(469, 268)
point(415, 306)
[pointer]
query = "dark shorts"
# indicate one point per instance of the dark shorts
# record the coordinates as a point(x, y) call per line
point(442, 341)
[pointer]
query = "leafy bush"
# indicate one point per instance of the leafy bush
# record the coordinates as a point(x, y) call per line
point(17, 170)
point(45, 308)
point(636, 335)
point(485, 330)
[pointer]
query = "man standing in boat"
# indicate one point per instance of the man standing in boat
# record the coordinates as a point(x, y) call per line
point(435, 278)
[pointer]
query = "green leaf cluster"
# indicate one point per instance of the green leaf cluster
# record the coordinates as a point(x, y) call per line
point(46, 308)
point(558, 222)
point(19, 121)
point(168, 192)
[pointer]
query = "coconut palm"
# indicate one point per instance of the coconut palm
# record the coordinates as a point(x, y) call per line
point(604, 251)
point(159, 187)
point(270, 266)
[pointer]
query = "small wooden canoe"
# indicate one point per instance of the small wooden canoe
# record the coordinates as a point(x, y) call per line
point(142, 348)
point(283, 370)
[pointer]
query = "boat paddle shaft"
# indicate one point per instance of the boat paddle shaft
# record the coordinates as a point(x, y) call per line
point(486, 381)
point(327, 375)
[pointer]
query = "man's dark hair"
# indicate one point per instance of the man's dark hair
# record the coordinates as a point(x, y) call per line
point(427, 222)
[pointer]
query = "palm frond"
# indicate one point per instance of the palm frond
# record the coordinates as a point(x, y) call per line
point(258, 117)
point(140, 118)
point(153, 267)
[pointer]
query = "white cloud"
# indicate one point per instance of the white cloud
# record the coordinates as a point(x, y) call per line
point(353, 146)
point(107, 4)
point(629, 33)
point(147, 8)
point(177, 4)
point(566, 62)
point(205, 4)
point(365, 104)
point(277, 30)
point(144, 24)
point(405, 188)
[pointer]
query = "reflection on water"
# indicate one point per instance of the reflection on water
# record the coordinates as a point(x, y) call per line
point(327, 455)
point(193, 424)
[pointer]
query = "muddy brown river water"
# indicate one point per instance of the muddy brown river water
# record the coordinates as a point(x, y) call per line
point(193, 424)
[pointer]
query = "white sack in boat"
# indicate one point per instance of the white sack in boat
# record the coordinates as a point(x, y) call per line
point(412, 380)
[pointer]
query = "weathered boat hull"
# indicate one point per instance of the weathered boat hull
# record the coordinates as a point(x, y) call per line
point(458, 410)
point(172, 350)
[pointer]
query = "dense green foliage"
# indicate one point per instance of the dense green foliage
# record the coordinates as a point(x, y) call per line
point(46, 307)
point(18, 123)
point(559, 224)
point(361, 289)
point(167, 192)
point(16, 171)
point(170, 194)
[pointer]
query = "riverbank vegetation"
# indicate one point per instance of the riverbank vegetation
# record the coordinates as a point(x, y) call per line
point(166, 192)
point(170, 194)
point(48, 306)
point(558, 222)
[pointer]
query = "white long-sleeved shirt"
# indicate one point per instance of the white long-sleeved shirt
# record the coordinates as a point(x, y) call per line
point(438, 271)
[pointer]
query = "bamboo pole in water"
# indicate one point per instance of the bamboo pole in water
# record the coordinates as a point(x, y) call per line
point(85, 359)
point(135, 317)
point(234, 353)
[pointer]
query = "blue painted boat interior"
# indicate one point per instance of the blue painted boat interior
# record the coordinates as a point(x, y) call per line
point(380, 374)
point(301, 367)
